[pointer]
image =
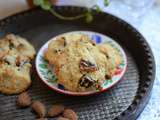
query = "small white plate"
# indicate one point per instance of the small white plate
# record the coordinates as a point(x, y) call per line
point(50, 79)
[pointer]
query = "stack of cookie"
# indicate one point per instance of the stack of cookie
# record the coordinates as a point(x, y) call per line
point(15, 63)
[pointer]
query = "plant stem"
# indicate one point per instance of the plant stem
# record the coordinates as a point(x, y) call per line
point(66, 18)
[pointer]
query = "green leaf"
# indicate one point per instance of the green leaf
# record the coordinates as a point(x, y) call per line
point(122, 64)
point(106, 2)
point(89, 17)
point(105, 83)
point(110, 81)
point(46, 5)
point(42, 59)
point(42, 72)
point(97, 8)
point(53, 80)
point(46, 77)
point(50, 75)
point(42, 66)
point(38, 2)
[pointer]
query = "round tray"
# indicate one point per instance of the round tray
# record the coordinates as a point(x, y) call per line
point(124, 101)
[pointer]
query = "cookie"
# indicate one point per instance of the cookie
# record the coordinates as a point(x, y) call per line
point(14, 73)
point(112, 54)
point(78, 63)
point(15, 57)
point(18, 44)
point(57, 47)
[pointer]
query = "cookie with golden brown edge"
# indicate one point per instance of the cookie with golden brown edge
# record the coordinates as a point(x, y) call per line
point(112, 54)
point(78, 63)
point(15, 57)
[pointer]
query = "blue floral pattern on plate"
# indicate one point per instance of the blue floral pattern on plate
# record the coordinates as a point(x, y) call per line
point(96, 38)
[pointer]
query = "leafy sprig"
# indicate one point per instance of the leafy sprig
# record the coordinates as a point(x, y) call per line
point(44, 4)
point(106, 2)
point(47, 6)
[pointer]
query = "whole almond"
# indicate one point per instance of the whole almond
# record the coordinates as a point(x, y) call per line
point(62, 118)
point(38, 108)
point(70, 114)
point(23, 100)
point(55, 110)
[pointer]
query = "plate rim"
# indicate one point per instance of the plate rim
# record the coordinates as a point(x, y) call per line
point(79, 93)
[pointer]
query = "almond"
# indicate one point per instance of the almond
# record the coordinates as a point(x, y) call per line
point(70, 114)
point(62, 118)
point(24, 100)
point(38, 108)
point(55, 110)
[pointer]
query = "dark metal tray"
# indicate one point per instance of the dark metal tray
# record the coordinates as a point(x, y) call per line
point(124, 101)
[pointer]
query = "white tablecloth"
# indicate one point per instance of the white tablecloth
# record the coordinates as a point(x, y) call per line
point(148, 25)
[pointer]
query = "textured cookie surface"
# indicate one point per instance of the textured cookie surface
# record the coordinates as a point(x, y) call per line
point(78, 63)
point(15, 56)
point(18, 44)
point(111, 52)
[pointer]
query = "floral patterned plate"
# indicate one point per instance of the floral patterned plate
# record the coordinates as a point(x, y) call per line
point(47, 76)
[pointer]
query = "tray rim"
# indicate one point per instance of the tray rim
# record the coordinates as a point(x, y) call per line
point(140, 101)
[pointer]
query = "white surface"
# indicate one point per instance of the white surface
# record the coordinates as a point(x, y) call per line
point(8, 7)
point(148, 25)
